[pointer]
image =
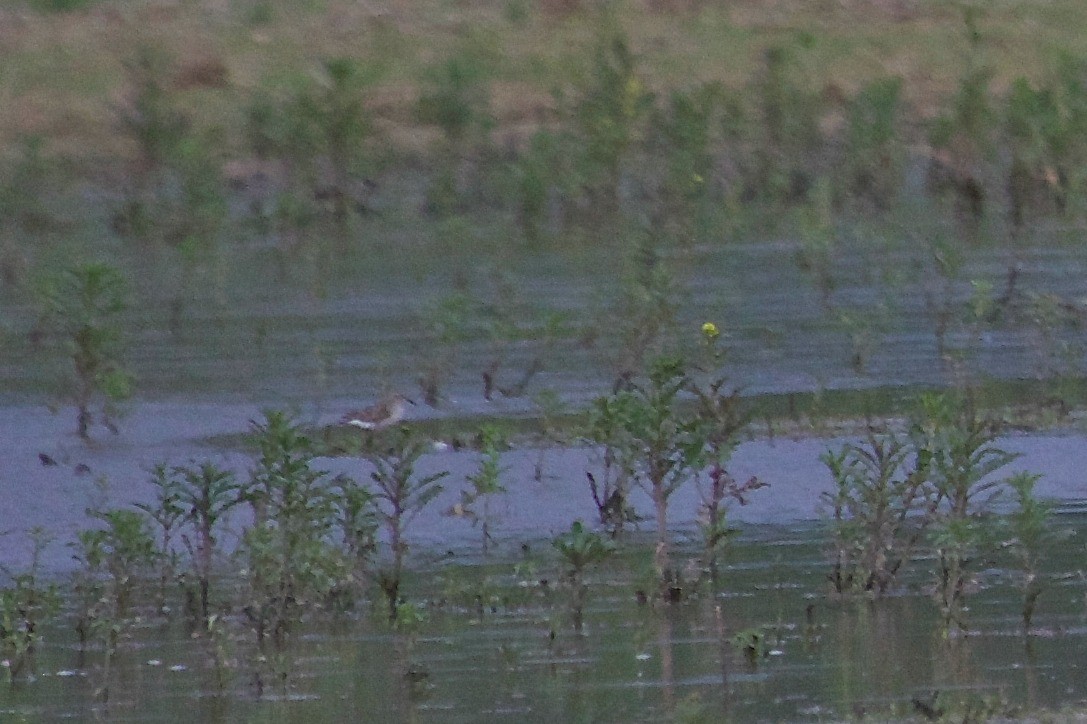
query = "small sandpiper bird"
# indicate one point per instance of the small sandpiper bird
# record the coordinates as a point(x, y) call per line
point(386, 413)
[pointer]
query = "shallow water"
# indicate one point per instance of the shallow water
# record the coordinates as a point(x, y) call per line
point(341, 321)
point(494, 658)
point(260, 331)
point(470, 662)
point(55, 497)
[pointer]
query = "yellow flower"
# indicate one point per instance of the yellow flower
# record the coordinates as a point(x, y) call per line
point(709, 329)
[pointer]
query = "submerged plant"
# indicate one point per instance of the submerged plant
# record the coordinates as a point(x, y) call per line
point(581, 548)
point(82, 306)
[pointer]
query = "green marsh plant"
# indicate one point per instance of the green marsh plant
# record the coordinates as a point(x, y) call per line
point(114, 558)
point(1029, 527)
point(612, 485)
point(1051, 322)
point(198, 210)
point(1044, 131)
point(723, 416)
point(456, 98)
point(343, 124)
point(753, 643)
point(60, 6)
point(662, 445)
point(400, 494)
point(960, 352)
point(484, 484)
point(26, 602)
point(168, 515)
point(357, 519)
point(83, 305)
point(550, 409)
point(957, 448)
point(150, 117)
point(206, 494)
point(879, 509)
point(23, 195)
point(317, 128)
point(684, 130)
point(609, 118)
point(581, 548)
point(963, 143)
point(1038, 138)
point(279, 133)
point(508, 326)
point(875, 151)
point(540, 176)
point(943, 274)
point(1072, 141)
point(446, 325)
point(293, 564)
point(190, 507)
point(787, 138)
point(819, 253)
point(864, 327)
point(646, 309)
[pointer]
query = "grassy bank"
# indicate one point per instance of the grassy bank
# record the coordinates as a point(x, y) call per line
point(65, 71)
